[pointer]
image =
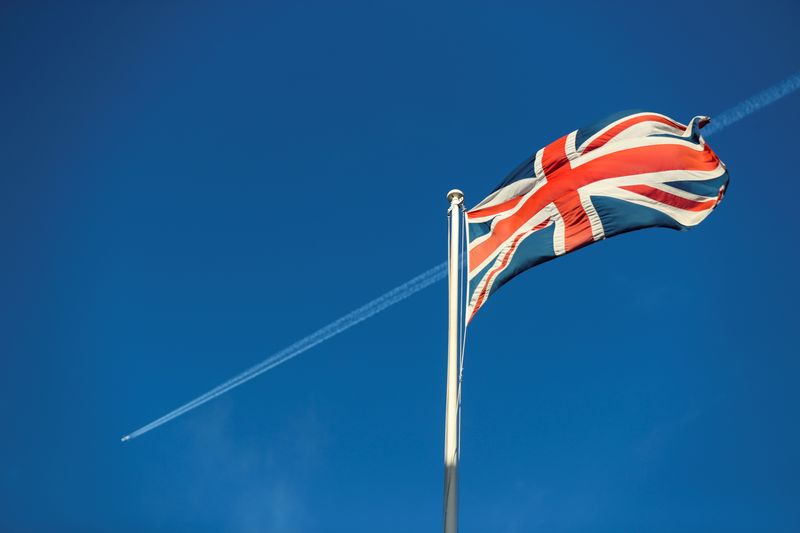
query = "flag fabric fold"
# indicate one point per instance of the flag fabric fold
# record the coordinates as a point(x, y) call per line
point(626, 172)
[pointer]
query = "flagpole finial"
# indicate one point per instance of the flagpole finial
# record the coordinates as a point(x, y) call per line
point(455, 195)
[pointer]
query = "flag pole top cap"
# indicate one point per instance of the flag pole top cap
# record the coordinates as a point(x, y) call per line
point(455, 196)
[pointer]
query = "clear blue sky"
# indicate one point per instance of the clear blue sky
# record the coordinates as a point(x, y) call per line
point(187, 187)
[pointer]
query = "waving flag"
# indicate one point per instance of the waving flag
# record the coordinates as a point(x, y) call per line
point(627, 172)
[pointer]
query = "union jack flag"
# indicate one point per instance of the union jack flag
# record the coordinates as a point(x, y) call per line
point(627, 172)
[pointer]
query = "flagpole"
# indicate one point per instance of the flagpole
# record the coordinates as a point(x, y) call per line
point(451, 452)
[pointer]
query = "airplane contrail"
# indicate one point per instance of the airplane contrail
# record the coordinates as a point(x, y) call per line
point(346, 322)
point(427, 278)
point(752, 104)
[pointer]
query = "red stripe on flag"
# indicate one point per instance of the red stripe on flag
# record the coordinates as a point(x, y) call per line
point(622, 126)
point(670, 199)
point(499, 268)
point(577, 227)
point(554, 156)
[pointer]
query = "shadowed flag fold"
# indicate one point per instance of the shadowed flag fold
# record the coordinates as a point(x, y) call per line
point(627, 172)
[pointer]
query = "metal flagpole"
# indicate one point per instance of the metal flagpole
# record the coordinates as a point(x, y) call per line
point(451, 452)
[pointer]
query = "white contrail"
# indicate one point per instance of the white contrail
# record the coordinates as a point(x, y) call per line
point(334, 328)
point(752, 104)
point(429, 277)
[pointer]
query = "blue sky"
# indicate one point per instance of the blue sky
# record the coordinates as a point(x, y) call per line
point(188, 187)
